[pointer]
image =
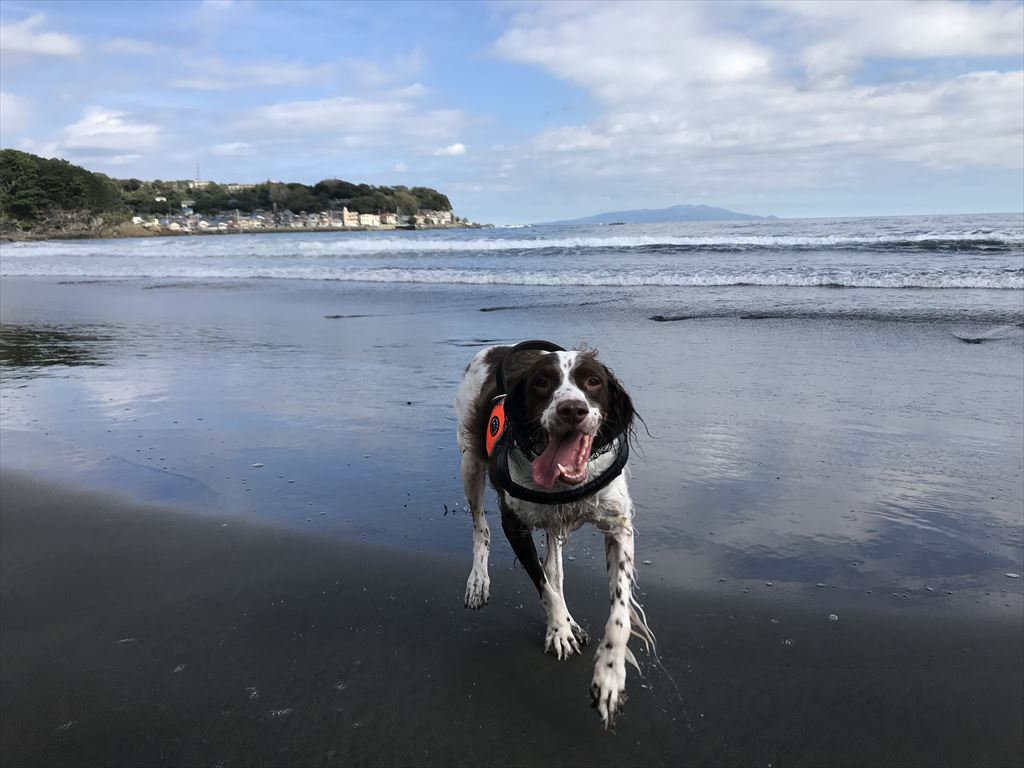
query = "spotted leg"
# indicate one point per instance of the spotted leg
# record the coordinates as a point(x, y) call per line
point(559, 643)
point(474, 478)
point(608, 689)
point(564, 637)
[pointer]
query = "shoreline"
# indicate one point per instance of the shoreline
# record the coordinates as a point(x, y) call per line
point(124, 231)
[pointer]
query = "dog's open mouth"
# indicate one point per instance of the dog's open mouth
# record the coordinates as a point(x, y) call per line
point(565, 459)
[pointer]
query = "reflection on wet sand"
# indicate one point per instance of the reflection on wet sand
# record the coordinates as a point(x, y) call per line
point(783, 451)
point(40, 346)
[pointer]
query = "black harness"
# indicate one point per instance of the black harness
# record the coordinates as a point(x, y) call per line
point(514, 436)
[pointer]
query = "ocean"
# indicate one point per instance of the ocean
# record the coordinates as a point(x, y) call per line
point(929, 252)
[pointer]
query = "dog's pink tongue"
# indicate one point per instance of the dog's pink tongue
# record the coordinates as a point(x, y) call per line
point(562, 451)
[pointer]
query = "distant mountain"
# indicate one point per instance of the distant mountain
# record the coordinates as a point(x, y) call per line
point(675, 213)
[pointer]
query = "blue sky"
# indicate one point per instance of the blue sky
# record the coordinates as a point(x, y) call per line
point(528, 111)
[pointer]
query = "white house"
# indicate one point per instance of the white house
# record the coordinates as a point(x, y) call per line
point(436, 218)
point(349, 218)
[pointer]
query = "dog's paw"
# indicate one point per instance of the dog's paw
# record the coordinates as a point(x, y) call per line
point(564, 640)
point(478, 590)
point(608, 689)
point(582, 638)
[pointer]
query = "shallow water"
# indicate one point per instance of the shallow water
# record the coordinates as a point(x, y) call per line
point(872, 455)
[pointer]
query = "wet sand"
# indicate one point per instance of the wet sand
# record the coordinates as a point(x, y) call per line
point(868, 467)
point(139, 635)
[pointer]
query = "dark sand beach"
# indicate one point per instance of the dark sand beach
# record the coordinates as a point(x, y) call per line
point(233, 532)
point(140, 636)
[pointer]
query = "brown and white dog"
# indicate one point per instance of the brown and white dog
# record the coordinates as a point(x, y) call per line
point(572, 407)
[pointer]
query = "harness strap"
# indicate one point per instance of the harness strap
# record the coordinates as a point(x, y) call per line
point(514, 489)
point(495, 424)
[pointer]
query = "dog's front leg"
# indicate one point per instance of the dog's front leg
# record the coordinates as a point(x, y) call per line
point(559, 639)
point(478, 585)
point(608, 689)
point(564, 636)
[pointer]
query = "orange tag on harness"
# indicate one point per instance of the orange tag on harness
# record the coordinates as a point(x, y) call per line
point(495, 425)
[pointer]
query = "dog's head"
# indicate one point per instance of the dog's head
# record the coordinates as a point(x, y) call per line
point(569, 404)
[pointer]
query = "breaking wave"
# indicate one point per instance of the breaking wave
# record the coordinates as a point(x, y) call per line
point(347, 243)
point(305, 270)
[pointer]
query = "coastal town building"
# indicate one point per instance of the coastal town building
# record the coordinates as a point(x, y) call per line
point(435, 218)
point(259, 219)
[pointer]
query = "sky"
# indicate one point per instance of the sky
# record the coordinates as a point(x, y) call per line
point(523, 112)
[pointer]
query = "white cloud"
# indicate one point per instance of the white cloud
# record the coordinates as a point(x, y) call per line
point(131, 46)
point(452, 150)
point(572, 139)
point(26, 37)
point(233, 149)
point(713, 98)
point(629, 50)
point(107, 131)
point(41, 148)
point(219, 6)
point(848, 32)
point(247, 75)
point(354, 122)
point(400, 167)
point(374, 74)
point(413, 91)
point(14, 115)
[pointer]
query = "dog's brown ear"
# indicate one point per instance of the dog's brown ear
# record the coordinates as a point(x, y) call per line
point(516, 369)
point(515, 399)
point(620, 410)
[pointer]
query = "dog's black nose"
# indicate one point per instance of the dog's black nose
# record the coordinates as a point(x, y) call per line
point(572, 411)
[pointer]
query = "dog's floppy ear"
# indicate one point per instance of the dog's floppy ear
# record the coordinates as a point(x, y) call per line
point(516, 369)
point(515, 400)
point(620, 410)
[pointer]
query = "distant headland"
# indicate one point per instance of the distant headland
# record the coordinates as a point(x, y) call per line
point(674, 213)
point(44, 198)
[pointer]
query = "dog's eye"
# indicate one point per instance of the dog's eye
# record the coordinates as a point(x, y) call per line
point(540, 383)
point(593, 381)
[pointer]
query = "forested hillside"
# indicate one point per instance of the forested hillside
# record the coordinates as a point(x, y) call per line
point(52, 197)
point(141, 197)
point(37, 193)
